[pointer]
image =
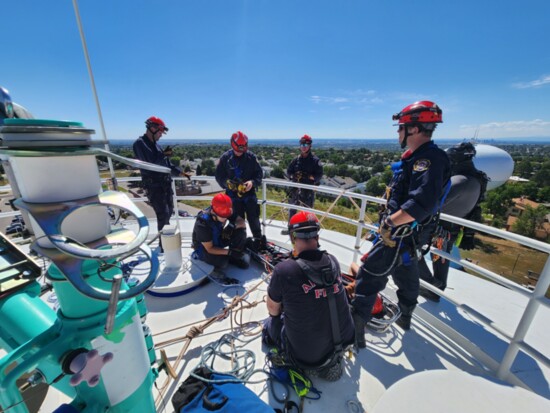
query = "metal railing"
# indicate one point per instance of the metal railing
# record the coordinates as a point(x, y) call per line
point(536, 298)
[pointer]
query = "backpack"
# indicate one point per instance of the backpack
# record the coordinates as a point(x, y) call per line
point(225, 395)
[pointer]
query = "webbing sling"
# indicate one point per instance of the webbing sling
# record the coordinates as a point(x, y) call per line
point(326, 279)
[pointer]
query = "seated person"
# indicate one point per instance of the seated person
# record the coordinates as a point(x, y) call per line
point(302, 294)
point(219, 241)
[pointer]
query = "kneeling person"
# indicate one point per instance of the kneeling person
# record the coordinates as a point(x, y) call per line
point(219, 241)
point(306, 296)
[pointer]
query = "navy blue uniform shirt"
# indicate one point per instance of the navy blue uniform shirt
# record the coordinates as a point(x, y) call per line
point(151, 152)
point(239, 168)
point(419, 182)
point(308, 166)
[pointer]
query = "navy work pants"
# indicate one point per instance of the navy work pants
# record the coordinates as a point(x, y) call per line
point(247, 207)
point(373, 277)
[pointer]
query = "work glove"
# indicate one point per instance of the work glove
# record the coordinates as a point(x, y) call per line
point(231, 185)
point(227, 232)
point(386, 234)
point(468, 241)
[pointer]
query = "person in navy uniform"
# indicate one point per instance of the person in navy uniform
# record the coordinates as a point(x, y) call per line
point(468, 187)
point(413, 200)
point(306, 168)
point(307, 298)
point(239, 173)
point(219, 238)
point(157, 185)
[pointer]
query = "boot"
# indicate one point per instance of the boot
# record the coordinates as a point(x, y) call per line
point(428, 295)
point(243, 262)
point(404, 322)
point(359, 331)
point(406, 316)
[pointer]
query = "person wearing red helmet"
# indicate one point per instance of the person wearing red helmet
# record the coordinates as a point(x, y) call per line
point(413, 200)
point(306, 168)
point(239, 173)
point(306, 296)
point(219, 239)
point(157, 185)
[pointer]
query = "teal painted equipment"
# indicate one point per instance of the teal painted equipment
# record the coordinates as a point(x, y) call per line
point(95, 348)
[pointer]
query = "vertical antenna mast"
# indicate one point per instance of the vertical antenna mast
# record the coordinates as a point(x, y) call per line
point(94, 91)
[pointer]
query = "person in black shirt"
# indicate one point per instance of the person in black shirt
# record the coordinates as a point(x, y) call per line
point(306, 296)
point(157, 185)
point(239, 173)
point(414, 197)
point(306, 168)
point(214, 232)
point(468, 187)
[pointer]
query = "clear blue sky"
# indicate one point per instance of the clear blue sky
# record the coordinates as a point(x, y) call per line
point(282, 68)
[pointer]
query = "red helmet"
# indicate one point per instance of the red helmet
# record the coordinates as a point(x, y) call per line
point(158, 122)
point(304, 225)
point(239, 142)
point(306, 139)
point(419, 112)
point(222, 205)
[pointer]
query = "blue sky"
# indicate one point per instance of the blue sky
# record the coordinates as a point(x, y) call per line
point(282, 68)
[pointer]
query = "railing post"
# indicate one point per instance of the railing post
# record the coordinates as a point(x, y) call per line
point(264, 205)
point(525, 322)
point(175, 200)
point(359, 233)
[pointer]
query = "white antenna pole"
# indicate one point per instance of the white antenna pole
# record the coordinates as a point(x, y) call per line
point(94, 91)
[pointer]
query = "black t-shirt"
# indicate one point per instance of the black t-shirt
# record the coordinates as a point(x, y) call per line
point(306, 311)
point(206, 230)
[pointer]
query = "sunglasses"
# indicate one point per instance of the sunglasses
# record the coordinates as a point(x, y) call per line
point(305, 144)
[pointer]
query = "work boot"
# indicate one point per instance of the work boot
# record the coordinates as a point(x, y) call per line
point(359, 331)
point(404, 322)
point(242, 262)
point(332, 372)
point(220, 278)
point(428, 295)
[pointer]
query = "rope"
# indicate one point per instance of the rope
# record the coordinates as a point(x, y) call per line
point(400, 233)
point(331, 206)
point(194, 332)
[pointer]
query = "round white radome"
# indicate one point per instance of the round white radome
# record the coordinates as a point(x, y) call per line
point(495, 162)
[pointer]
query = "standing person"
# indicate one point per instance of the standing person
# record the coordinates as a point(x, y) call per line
point(239, 173)
point(306, 168)
point(157, 185)
point(219, 241)
point(468, 187)
point(306, 296)
point(413, 199)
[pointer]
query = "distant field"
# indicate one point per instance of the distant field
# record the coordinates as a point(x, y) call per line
point(507, 258)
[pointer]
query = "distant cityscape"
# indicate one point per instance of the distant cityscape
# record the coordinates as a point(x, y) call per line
point(390, 144)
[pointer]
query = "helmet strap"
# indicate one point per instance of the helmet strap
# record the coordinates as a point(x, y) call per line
point(404, 141)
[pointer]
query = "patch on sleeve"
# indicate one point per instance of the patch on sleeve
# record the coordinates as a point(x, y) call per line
point(421, 165)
